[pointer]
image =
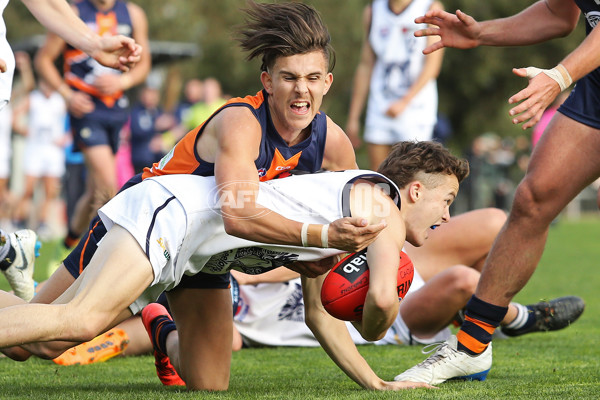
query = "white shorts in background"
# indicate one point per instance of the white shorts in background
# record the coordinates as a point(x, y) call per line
point(398, 130)
point(44, 160)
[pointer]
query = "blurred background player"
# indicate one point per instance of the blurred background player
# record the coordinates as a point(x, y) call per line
point(40, 117)
point(97, 105)
point(399, 80)
point(147, 123)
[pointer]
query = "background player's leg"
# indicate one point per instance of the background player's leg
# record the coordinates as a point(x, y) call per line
point(377, 153)
point(465, 240)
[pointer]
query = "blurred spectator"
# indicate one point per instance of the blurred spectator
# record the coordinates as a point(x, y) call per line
point(44, 157)
point(147, 122)
point(212, 99)
point(192, 93)
point(442, 131)
point(497, 165)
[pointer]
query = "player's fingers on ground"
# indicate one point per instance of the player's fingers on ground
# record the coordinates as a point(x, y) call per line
point(403, 385)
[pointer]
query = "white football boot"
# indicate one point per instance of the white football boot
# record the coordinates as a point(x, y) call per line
point(449, 363)
point(20, 272)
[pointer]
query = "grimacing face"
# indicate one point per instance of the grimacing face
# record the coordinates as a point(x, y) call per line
point(296, 86)
point(432, 208)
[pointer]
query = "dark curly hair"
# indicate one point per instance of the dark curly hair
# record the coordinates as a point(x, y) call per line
point(408, 159)
point(281, 30)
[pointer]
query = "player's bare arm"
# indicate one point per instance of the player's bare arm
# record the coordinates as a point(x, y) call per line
point(237, 135)
point(79, 103)
point(381, 304)
point(541, 21)
point(118, 52)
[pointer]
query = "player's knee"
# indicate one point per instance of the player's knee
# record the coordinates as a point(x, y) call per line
point(533, 202)
point(16, 354)
point(494, 220)
point(463, 280)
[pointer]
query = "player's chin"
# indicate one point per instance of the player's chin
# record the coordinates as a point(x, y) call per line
point(417, 240)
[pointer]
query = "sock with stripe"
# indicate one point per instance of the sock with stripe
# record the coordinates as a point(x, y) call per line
point(524, 319)
point(481, 320)
point(161, 327)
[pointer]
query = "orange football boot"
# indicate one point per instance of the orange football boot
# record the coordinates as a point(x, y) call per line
point(101, 348)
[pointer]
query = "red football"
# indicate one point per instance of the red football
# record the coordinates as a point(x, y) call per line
point(345, 287)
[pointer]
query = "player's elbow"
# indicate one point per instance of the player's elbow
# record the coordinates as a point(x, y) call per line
point(313, 316)
point(235, 226)
point(383, 303)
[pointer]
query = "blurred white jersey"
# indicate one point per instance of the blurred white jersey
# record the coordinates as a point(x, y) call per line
point(177, 221)
point(399, 62)
point(44, 154)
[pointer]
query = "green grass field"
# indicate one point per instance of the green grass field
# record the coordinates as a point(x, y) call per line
point(557, 365)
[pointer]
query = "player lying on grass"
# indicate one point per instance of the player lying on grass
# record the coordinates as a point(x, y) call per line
point(145, 253)
point(270, 310)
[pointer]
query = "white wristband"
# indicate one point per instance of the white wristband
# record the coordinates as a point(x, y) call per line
point(304, 234)
point(559, 74)
point(325, 236)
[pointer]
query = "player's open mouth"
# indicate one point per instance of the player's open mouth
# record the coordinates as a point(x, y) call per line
point(300, 107)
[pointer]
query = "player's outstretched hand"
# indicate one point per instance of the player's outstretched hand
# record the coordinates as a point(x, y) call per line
point(534, 99)
point(119, 52)
point(3, 66)
point(353, 234)
point(458, 30)
point(406, 385)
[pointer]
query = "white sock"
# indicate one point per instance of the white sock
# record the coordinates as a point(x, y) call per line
point(521, 318)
